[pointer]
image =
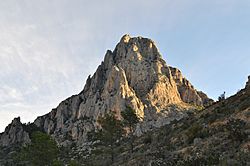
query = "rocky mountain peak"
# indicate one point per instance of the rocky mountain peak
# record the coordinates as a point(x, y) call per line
point(16, 121)
point(132, 75)
point(138, 48)
point(125, 38)
point(141, 62)
point(14, 134)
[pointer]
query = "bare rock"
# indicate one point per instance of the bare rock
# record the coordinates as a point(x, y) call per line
point(187, 91)
point(14, 134)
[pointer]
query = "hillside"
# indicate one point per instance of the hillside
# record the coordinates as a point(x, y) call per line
point(216, 135)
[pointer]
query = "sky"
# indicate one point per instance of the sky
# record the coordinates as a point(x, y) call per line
point(49, 47)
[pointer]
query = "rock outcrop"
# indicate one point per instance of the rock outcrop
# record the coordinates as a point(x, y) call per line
point(14, 134)
point(133, 75)
point(187, 91)
point(248, 83)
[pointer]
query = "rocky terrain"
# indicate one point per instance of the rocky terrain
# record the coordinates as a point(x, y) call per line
point(14, 134)
point(174, 127)
point(216, 135)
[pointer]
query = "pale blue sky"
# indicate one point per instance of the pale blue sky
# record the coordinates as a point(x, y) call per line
point(49, 47)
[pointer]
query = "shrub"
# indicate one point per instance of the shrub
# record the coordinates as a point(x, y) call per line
point(236, 129)
point(73, 163)
point(196, 131)
point(130, 120)
point(193, 131)
point(42, 151)
point(147, 139)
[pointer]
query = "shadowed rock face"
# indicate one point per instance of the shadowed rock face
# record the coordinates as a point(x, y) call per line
point(14, 134)
point(187, 91)
point(133, 75)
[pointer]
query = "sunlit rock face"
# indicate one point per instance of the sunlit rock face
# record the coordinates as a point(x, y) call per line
point(132, 75)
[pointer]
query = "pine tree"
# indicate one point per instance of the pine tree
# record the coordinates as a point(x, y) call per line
point(111, 132)
point(42, 151)
point(130, 120)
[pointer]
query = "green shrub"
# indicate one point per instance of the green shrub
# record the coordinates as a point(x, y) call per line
point(42, 151)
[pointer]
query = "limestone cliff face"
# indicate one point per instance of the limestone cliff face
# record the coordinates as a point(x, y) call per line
point(14, 134)
point(133, 75)
point(187, 91)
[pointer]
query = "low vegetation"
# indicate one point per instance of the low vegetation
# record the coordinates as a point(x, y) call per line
point(42, 151)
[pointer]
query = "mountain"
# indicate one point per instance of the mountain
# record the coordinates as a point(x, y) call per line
point(133, 75)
